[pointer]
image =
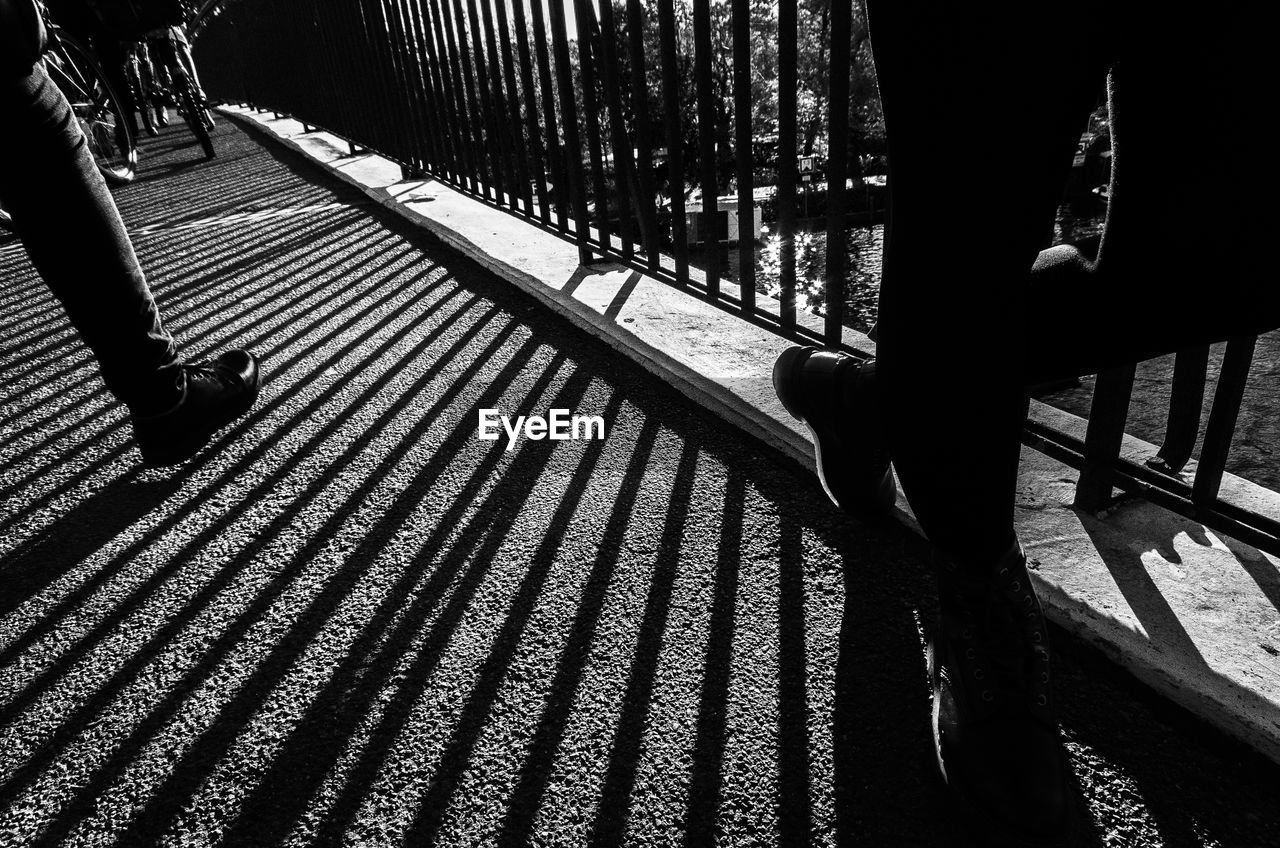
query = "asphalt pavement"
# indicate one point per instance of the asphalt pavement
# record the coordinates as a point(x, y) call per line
point(352, 621)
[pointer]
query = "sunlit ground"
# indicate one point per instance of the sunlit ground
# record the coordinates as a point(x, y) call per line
point(352, 622)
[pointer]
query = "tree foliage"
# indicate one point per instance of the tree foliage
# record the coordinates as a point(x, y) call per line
point(813, 69)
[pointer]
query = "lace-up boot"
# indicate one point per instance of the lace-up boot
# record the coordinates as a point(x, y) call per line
point(994, 726)
point(215, 393)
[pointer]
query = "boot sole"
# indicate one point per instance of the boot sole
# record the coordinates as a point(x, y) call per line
point(180, 453)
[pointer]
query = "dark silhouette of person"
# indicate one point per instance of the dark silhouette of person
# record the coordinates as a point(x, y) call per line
point(64, 215)
point(974, 308)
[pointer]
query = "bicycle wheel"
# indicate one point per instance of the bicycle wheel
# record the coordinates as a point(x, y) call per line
point(96, 106)
point(193, 113)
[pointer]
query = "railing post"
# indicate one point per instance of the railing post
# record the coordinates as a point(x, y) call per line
point(1222, 419)
point(741, 10)
point(644, 156)
point(1185, 400)
point(451, 75)
point(623, 166)
point(455, 29)
point(1105, 434)
point(522, 178)
point(572, 146)
point(675, 136)
point(593, 118)
point(536, 153)
point(785, 197)
point(837, 167)
point(708, 232)
point(555, 161)
point(500, 120)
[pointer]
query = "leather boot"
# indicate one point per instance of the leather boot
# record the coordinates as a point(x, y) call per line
point(994, 727)
point(834, 395)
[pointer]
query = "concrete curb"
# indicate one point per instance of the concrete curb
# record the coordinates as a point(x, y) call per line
point(1189, 611)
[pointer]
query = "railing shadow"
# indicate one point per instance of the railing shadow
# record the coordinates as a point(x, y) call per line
point(352, 621)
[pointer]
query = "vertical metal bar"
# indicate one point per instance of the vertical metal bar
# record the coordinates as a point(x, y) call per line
point(344, 24)
point(1186, 398)
point(592, 116)
point(491, 146)
point(372, 41)
point(623, 166)
point(536, 157)
point(461, 127)
point(400, 121)
point(559, 179)
point(457, 31)
point(647, 201)
point(414, 134)
point(359, 48)
point(429, 97)
point(1227, 398)
point(523, 187)
point(418, 95)
point(392, 46)
point(445, 118)
point(837, 168)
point(786, 196)
point(745, 155)
point(501, 130)
point(333, 111)
point(374, 38)
point(572, 147)
point(675, 138)
point(1102, 440)
point(708, 229)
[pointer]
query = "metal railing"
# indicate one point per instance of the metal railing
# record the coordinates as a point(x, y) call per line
point(593, 137)
point(494, 98)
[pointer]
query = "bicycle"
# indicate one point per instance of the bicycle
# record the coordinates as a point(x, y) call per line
point(94, 102)
point(162, 51)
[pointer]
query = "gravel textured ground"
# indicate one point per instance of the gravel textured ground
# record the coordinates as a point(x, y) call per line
point(352, 622)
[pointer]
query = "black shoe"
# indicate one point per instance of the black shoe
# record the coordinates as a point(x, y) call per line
point(994, 728)
point(216, 393)
point(834, 395)
point(162, 116)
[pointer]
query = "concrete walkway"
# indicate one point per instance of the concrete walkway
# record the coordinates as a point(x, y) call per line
point(353, 622)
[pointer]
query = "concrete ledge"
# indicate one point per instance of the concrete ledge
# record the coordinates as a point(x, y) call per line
point(1194, 614)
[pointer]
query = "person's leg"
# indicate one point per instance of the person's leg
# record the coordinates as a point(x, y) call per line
point(139, 87)
point(70, 226)
point(182, 48)
point(984, 105)
point(65, 216)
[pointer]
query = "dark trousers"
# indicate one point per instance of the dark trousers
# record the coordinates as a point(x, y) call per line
point(984, 104)
point(67, 221)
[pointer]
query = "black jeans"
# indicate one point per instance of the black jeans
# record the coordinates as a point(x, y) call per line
point(67, 221)
point(984, 103)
